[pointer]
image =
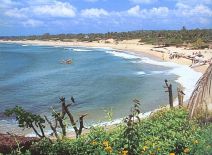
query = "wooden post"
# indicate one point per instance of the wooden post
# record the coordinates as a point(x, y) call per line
point(170, 96)
point(180, 94)
point(179, 97)
point(169, 87)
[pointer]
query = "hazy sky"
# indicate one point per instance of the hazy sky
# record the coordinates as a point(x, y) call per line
point(24, 17)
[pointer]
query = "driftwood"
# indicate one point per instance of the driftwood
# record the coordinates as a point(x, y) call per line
point(200, 102)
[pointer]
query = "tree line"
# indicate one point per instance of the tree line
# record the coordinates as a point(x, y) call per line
point(166, 37)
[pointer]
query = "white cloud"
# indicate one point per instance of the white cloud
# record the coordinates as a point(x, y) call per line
point(148, 13)
point(160, 11)
point(53, 9)
point(94, 12)
point(201, 9)
point(58, 9)
point(16, 13)
point(32, 23)
point(189, 11)
point(143, 1)
point(135, 11)
point(180, 5)
point(36, 13)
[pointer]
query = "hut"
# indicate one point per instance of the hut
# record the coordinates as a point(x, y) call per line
point(200, 102)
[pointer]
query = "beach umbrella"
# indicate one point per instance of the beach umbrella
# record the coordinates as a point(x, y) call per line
point(200, 102)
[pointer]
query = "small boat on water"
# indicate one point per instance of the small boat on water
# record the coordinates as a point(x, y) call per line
point(67, 61)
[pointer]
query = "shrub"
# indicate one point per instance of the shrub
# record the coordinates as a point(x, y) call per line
point(164, 132)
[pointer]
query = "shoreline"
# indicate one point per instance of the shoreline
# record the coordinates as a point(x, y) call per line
point(130, 52)
point(128, 46)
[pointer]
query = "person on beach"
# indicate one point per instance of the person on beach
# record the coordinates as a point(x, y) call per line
point(163, 56)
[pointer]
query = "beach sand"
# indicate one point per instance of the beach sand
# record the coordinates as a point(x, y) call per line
point(131, 46)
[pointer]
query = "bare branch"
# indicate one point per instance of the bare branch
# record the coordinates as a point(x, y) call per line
point(54, 128)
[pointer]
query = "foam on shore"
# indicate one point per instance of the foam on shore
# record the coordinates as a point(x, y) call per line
point(81, 50)
point(187, 76)
point(123, 55)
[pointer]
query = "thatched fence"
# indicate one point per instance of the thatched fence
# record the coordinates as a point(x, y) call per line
point(200, 102)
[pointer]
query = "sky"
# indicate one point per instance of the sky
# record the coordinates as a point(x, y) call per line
point(28, 17)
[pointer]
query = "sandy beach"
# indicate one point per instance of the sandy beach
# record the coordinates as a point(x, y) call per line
point(135, 47)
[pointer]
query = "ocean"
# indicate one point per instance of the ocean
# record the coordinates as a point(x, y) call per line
point(100, 79)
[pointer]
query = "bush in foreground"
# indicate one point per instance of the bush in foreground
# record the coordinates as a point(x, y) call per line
point(165, 132)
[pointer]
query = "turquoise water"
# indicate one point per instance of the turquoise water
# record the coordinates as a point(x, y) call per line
point(99, 79)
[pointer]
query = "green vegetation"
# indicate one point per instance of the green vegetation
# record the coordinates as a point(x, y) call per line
point(199, 44)
point(163, 37)
point(28, 120)
point(37, 123)
point(168, 131)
